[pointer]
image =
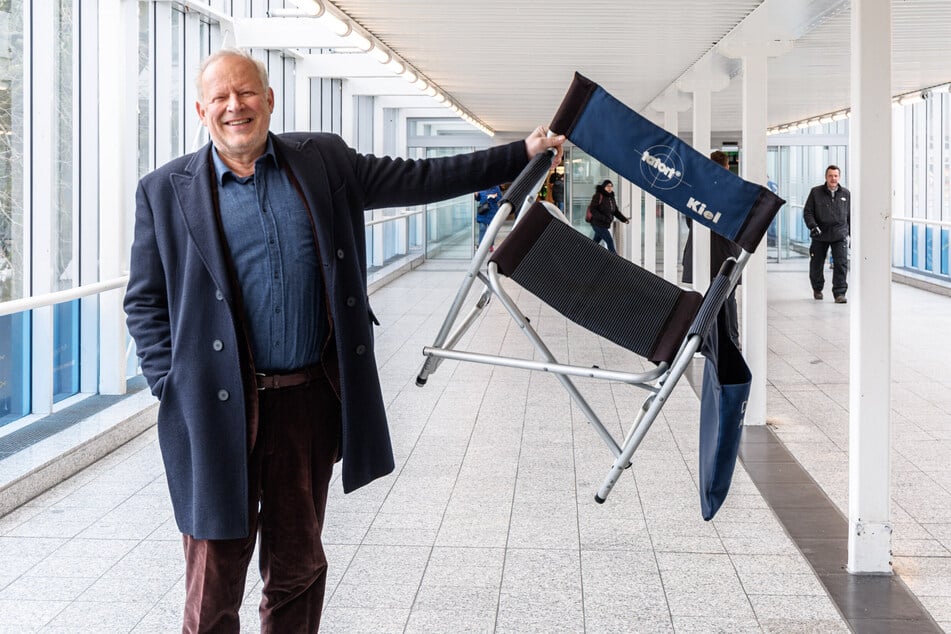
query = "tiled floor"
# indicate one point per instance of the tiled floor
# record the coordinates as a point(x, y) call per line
point(489, 523)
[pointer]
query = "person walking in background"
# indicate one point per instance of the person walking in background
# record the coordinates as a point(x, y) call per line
point(604, 210)
point(487, 205)
point(558, 189)
point(247, 301)
point(720, 249)
point(827, 214)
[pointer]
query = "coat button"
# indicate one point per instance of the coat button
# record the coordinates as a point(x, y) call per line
point(219, 295)
point(340, 254)
point(223, 395)
point(361, 349)
point(351, 301)
point(217, 345)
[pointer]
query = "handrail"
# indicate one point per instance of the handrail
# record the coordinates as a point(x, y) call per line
point(379, 221)
point(922, 221)
point(58, 297)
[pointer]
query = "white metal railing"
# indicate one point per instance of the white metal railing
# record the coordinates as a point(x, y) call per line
point(923, 221)
point(400, 216)
point(58, 297)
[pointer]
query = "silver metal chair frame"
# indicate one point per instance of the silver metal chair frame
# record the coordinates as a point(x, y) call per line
point(658, 382)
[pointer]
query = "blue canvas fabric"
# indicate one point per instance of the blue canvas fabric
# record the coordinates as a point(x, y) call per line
point(662, 165)
point(725, 392)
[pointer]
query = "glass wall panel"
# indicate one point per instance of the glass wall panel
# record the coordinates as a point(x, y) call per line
point(176, 84)
point(14, 367)
point(584, 174)
point(794, 167)
point(65, 350)
point(12, 265)
point(146, 148)
point(65, 222)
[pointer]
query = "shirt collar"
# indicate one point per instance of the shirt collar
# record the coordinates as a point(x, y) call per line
point(221, 170)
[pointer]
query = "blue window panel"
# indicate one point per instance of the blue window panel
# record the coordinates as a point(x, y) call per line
point(65, 350)
point(929, 249)
point(944, 252)
point(914, 247)
point(14, 367)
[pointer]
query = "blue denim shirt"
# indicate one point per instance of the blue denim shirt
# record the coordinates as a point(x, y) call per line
point(269, 233)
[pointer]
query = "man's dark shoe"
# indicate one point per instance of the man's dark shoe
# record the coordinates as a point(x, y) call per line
point(817, 294)
point(840, 299)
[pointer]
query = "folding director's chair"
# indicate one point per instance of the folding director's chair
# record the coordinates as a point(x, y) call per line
point(630, 306)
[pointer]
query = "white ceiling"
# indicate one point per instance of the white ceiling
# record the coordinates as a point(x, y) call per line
point(509, 62)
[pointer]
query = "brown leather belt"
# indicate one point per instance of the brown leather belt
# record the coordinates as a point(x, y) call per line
point(289, 379)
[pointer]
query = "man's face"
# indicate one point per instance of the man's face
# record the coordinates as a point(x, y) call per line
point(832, 179)
point(235, 108)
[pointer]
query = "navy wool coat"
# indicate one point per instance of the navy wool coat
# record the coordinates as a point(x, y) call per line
point(182, 312)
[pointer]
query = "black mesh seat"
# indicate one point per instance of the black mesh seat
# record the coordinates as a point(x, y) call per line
point(598, 290)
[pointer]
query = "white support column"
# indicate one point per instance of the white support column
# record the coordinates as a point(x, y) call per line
point(754, 44)
point(347, 131)
point(870, 323)
point(650, 232)
point(753, 168)
point(671, 217)
point(635, 196)
point(302, 98)
point(701, 235)
point(707, 76)
point(670, 104)
point(117, 147)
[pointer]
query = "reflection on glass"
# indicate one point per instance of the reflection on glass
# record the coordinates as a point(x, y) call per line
point(11, 151)
point(63, 250)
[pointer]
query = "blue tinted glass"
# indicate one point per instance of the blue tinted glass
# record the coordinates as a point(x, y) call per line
point(929, 249)
point(14, 367)
point(914, 246)
point(65, 350)
point(944, 251)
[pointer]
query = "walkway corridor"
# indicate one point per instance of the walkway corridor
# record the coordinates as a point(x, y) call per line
point(489, 523)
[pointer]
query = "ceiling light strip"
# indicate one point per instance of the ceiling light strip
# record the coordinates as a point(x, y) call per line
point(338, 22)
point(905, 99)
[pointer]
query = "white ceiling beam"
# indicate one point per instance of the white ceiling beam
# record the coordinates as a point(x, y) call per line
point(277, 33)
point(352, 65)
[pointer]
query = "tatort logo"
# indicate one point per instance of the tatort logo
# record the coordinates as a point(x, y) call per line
point(701, 210)
point(662, 167)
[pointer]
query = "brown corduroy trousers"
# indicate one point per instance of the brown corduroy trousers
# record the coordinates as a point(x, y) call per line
point(290, 466)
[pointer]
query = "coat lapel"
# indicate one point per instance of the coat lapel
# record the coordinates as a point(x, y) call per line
point(309, 170)
point(194, 194)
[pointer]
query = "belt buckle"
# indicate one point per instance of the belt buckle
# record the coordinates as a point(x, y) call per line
point(262, 375)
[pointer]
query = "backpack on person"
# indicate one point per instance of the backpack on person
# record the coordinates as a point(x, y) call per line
point(589, 213)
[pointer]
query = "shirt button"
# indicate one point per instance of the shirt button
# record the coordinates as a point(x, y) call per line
point(216, 345)
point(361, 349)
point(351, 301)
point(340, 254)
point(223, 395)
point(219, 295)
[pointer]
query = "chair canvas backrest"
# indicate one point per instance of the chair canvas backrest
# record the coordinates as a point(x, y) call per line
point(663, 165)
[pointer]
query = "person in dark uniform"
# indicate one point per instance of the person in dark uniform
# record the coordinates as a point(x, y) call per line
point(827, 213)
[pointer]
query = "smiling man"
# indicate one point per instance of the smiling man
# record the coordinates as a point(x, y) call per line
point(248, 304)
